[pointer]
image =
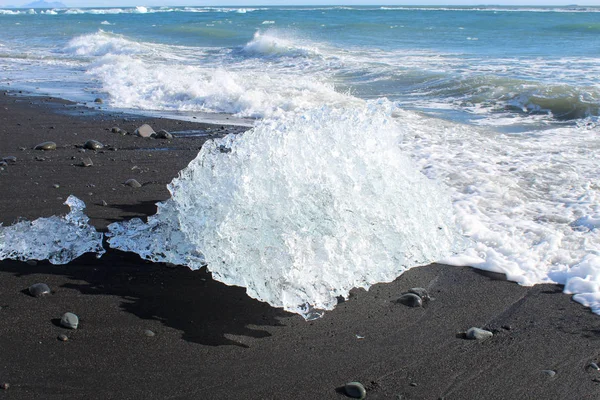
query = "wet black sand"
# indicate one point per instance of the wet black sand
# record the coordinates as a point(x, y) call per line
point(212, 341)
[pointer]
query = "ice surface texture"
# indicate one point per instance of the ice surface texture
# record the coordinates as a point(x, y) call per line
point(58, 239)
point(159, 240)
point(302, 209)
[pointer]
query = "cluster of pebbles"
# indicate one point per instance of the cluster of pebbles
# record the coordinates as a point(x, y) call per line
point(144, 131)
point(68, 320)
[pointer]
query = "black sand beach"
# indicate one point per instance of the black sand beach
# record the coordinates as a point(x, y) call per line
point(212, 341)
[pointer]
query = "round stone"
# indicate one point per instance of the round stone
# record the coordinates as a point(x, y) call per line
point(145, 131)
point(478, 334)
point(39, 290)
point(411, 300)
point(162, 134)
point(133, 183)
point(355, 390)
point(421, 292)
point(98, 100)
point(149, 333)
point(69, 320)
point(62, 337)
point(115, 129)
point(45, 146)
point(549, 373)
point(93, 145)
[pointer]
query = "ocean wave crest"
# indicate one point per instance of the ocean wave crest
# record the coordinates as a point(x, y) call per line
point(273, 43)
point(103, 43)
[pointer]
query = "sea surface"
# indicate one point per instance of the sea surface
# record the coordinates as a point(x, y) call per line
point(499, 106)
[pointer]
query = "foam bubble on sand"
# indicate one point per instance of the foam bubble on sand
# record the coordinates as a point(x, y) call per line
point(301, 209)
point(57, 239)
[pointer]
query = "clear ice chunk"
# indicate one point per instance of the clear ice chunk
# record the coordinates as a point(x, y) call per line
point(301, 209)
point(158, 240)
point(58, 239)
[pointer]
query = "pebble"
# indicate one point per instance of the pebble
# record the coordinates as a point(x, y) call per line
point(39, 290)
point(10, 159)
point(595, 366)
point(145, 131)
point(355, 390)
point(87, 162)
point(549, 373)
point(69, 320)
point(149, 333)
point(421, 292)
point(133, 183)
point(5, 386)
point(478, 334)
point(3, 164)
point(115, 129)
point(45, 146)
point(56, 186)
point(162, 134)
point(62, 337)
point(93, 145)
point(411, 300)
point(98, 100)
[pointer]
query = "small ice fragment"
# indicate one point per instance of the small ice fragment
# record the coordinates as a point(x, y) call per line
point(58, 239)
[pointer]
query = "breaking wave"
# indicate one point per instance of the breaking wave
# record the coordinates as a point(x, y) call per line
point(273, 43)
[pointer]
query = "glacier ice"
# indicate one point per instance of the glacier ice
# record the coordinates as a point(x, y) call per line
point(158, 240)
point(301, 209)
point(58, 239)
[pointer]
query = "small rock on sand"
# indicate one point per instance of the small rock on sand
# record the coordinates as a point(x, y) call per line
point(69, 320)
point(149, 333)
point(87, 162)
point(145, 131)
point(4, 386)
point(93, 145)
point(62, 337)
point(421, 292)
point(162, 134)
point(39, 290)
point(133, 183)
point(45, 146)
point(355, 390)
point(98, 100)
point(410, 300)
point(10, 159)
point(549, 373)
point(478, 334)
